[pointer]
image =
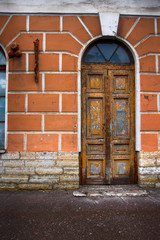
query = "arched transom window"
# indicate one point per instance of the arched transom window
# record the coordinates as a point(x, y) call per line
point(108, 51)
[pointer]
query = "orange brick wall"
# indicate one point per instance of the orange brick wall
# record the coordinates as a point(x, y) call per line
point(142, 33)
point(43, 116)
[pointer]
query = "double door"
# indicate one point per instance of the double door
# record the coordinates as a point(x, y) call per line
point(108, 124)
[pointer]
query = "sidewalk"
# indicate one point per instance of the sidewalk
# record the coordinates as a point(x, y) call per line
point(57, 215)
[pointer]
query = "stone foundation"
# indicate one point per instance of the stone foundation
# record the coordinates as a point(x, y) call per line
point(149, 169)
point(39, 170)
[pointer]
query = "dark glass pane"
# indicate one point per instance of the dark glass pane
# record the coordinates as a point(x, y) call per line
point(94, 55)
point(2, 83)
point(2, 130)
point(2, 109)
point(120, 56)
point(2, 59)
point(107, 49)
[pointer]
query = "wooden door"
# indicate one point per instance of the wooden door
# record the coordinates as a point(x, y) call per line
point(107, 125)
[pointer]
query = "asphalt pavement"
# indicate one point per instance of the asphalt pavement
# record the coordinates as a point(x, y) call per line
point(57, 215)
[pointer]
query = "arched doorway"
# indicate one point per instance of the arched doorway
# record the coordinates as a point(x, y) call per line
point(108, 114)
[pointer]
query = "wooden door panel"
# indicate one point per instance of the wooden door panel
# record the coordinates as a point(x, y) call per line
point(122, 119)
point(93, 127)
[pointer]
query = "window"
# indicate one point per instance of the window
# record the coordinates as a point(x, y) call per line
point(2, 98)
point(108, 51)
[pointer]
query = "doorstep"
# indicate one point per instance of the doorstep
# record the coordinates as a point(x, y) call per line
point(110, 191)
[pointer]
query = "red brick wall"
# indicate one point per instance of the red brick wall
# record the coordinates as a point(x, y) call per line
point(43, 116)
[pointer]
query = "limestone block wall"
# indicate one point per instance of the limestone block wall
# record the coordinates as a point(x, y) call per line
point(42, 118)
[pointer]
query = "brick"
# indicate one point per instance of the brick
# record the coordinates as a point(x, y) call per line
point(27, 155)
point(24, 122)
point(17, 64)
point(13, 163)
point(49, 171)
point(147, 162)
point(124, 25)
point(16, 102)
point(44, 179)
point(69, 142)
point(8, 156)
point(15, 142)
point(69, 63)
point(148, 64)
point(144, 27)
point(35, 186)
point(62, 42)
point(46, 155)
point(61, 122)
point(150, 122)
point(150, 45)
point(47, 62)
point(73, 25)
point(69, 102)
point(14, 178)
point(14, 26)
point(148, 102)
point(93, 24)
point(158, 25)
point(44, 23)
point(3, 19)
point(61, 82)
point(25, 41)
point(43, 102)
point(42, 142)
point(149, 142)
point(150, 83)
point(24, 82)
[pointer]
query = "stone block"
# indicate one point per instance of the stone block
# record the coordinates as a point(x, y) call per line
point(157, 185)
point(68, 163)
point(1, 163)
point(46, 155)
point(13, 163)
point(40, 163)
point(7, 186)
point(71, 170)
point(49, 171)
point(148, 178)
point(14, 178)
point(158, 161)
point(147, 162)
point(10, 156)
point(33, 186)
point(44, 179)
point(27, 155)
point(1, 170)
point(20, 171)
point(69, 178)
point(149, 170)
point(68, 155)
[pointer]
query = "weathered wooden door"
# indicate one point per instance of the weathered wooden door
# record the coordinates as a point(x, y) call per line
point(108, 124)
